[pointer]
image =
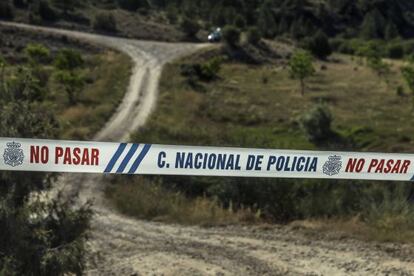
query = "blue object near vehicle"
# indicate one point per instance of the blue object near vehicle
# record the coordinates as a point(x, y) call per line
point(215, 36)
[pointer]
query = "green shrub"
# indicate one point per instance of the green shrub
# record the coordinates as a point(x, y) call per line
point(189, 26)
point(317, 124)
point(205, 71)
point(6, 10)
point(408, 47)
point(395, 51)
point(318, 45)
point(72, 83)
point(253, 35)
point(147, 199)
point(231, 35)
point(104, 21)
point(389, 212)
point(336, 43)
point(37, 53)
point(68, 59)
point(301, 67)
point(38, 236)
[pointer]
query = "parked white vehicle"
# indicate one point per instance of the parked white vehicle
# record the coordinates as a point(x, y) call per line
point(215, 36)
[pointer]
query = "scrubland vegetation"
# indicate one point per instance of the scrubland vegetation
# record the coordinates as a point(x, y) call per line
point(49, 92)
point(348, 105)
point(290, 74)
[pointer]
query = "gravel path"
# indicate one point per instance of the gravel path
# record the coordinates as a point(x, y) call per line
point(123, 246)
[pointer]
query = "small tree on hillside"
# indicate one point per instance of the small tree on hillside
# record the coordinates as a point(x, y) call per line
point(301, 67)
point(374, 60)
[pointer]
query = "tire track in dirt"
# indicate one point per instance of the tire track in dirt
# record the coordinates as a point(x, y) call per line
point(121, 245)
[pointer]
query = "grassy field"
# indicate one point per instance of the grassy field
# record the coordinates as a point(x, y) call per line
point(261, 106)
point(108, 74)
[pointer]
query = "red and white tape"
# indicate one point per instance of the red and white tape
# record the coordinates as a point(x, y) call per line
point(20, 154)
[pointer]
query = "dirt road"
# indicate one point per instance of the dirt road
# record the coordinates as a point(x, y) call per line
point(124, 246)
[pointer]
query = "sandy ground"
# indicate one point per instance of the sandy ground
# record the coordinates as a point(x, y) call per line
point(123, 246)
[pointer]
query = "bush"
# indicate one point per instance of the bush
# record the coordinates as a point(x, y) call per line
point(408, 47)
point(68, 59)
point(206, 71)
point(189, 26)
point(73, 83)
point(37, 53)
point(318, 45)
point(146, 199)
point(390, 213)
point(38, 236)
point(301, 67)
point(46, 12)
point(395, 51)
point(105, 21)
point(253, 35)
point(6, 11)
point(317, 124)
point(231, 35)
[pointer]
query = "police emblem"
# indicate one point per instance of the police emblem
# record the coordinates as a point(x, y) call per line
point(13, 154)
point(333, 165)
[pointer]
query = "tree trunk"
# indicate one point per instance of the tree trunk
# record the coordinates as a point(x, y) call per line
point(302, 87)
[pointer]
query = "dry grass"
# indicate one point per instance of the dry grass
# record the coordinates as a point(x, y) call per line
point(356, 228)
point(109, 72)
point(259, 106)
point(146, 199)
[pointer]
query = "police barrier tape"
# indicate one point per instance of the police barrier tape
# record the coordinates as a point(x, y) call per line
point(126, 158)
